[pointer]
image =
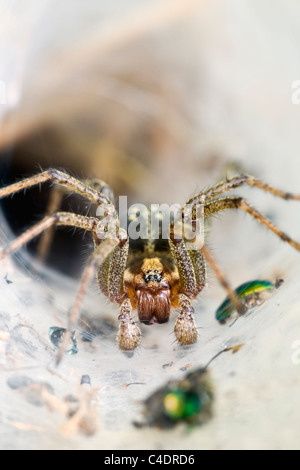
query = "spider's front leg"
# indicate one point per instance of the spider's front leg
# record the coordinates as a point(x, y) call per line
point(185, 327)
point(54, 203)
point(129, 334)
point(192, 279)
point(101, 253)
point(110, 276)
point(190, 259)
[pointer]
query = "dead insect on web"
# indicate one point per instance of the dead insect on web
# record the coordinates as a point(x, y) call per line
point(181, 401)
point(153, 275)
point(189, 400)
point(252, 294)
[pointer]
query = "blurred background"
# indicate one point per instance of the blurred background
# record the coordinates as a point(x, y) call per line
point(158, 98)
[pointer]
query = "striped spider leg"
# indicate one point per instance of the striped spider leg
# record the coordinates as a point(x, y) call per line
point(191, 265)
point(110, 248)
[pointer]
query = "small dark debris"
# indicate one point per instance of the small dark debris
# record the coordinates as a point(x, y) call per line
point(70, 399)
point(30, 389)
point(128, 354)
point(186, 367)
point(169, 364)
point(278, 283)
point(56, 335)
point(7, 280)
point(17, 382)
point(34, 395)
point(85, 379)
point(133, 383)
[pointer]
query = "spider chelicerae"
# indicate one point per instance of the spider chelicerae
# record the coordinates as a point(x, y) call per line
point(152, 276)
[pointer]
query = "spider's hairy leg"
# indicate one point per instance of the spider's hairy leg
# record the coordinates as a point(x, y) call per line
point(110, 276)
point(199, 265)
point(129, 334)
point(102, 187)
point(60, 218)
point(192, 277)
point(184, 264)
point(240, 203)
point(185, 328)
point(100, 254)
point(56, 196)
point(61, 178)
point(222, 279)
point(46, 238)
point(236, 182)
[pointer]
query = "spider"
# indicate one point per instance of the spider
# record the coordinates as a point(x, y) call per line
point(152, 276)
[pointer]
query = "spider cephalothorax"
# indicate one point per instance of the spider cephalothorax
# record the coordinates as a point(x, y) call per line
point(152, 275)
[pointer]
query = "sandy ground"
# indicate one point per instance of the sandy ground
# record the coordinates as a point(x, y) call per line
point(246, 65)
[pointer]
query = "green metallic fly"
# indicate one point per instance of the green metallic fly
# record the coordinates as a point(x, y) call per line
point(188, 401)
point(251, 294)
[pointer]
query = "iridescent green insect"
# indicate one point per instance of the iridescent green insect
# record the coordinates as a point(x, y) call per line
point(189, 400)
point(250, 293)
point(181, 401)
